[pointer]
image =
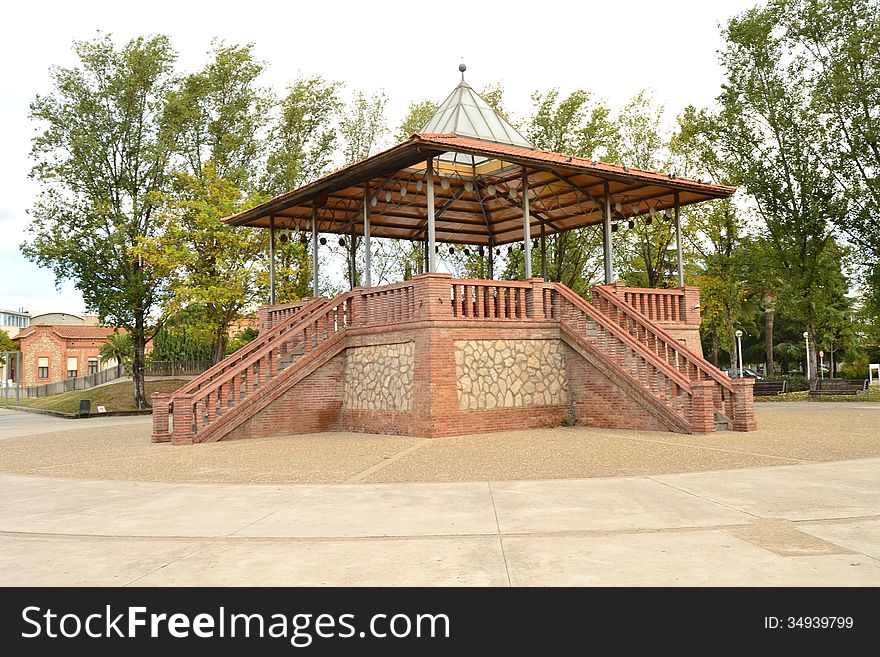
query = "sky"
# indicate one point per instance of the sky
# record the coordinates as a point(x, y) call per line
point(411, 50)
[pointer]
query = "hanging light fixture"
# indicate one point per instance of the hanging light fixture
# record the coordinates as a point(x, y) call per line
point(388, 196)
point(451, 250)
point(648, 220)
point(341, 241)
point(498, 252)
point(303, 238)
point(490, 190)
point(323, 241)
point(373, 201)
point(466, 252)
point(403, 191)
point(509, 250)
point(468, 186)
point(618, 207)
point(282, 238)
point(481, 251)
point(444, 183)
point(630, 224)
point(418, 186)
point(613, 228)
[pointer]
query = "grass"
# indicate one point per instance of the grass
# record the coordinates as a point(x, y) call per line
point(872, 394)
point(114, 397)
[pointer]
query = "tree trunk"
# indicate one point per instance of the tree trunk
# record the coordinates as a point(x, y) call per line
point(714, 344)
point(220, 343)
point(137, 365)
point(813, 355)
point(732, 340)
point(769, 317)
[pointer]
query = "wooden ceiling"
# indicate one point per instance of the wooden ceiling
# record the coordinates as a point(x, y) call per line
point(479, 206)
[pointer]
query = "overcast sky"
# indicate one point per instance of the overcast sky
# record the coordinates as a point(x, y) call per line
point(410, 49)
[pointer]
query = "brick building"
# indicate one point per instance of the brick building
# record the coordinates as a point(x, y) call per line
point(54, 352)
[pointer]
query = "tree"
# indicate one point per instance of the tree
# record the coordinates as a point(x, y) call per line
point(416, 117)
point(837, 47)
point(206, 261)
point(362, 128)
point(766, 130)
point(574, 125)
point(6, 344)
point(645, 245)
point(118, 348)
point(215, 116)
point(103, 161)
point(303, 138)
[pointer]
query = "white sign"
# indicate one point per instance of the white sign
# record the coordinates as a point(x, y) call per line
point(101, 409)
point(873, 372)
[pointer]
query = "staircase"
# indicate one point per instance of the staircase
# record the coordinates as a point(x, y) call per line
point(210, 406)
point(689, 364)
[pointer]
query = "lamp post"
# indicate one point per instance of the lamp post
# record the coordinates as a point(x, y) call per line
point(821, 363)
point(739, 351)
point(807, 342)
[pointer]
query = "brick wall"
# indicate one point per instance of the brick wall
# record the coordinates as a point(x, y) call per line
point(597, 401)
point(311, 406)
point(43, 342)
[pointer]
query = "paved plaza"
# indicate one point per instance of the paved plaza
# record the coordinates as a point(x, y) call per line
point(796, 503)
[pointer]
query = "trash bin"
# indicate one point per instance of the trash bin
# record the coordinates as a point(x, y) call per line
point(85, 407)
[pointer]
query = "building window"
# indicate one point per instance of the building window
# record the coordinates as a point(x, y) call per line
point(72, 367)
point(93, 365)
point(43, 368)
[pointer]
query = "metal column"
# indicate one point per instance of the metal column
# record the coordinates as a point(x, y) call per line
point(491, 262)
point(367, 280)
point(678, 242)
point(314, 250)
point(432, 248)
point(606, 242)
point(271, 261)
point(543, 253)
point(527, 226)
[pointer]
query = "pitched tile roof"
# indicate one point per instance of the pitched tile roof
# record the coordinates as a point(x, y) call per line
point(71, 331)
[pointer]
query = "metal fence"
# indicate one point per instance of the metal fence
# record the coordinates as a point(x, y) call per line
point(176, 368)
point(76, 383)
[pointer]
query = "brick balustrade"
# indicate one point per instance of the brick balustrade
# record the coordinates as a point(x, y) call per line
point(628, 346)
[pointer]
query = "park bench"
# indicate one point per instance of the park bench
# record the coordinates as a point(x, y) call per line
point(770, 388)
point(839, 387)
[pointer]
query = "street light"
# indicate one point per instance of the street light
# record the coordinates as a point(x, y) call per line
point(739, 351)
point(807, 342)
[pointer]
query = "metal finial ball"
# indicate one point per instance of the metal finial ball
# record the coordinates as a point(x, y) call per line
point(462, 68)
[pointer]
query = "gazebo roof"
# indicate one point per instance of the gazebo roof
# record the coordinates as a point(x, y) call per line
point(478, 172)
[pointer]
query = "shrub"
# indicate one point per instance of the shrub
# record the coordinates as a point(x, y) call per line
point(795, 381)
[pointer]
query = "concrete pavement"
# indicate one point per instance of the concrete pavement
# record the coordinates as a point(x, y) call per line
point(809, 524)
point(15, 424)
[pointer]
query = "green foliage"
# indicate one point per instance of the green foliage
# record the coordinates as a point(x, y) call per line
point(6, 343)
point(184, 336)
point(416, 117)
point(303, 139)
point(241, 339)
point(102, 158)
point(217, 115)
point(119, 349)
